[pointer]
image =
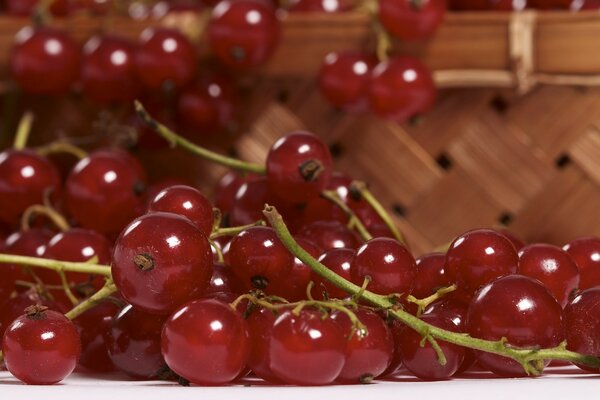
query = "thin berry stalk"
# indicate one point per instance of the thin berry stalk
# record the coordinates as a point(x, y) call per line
point(64, 266)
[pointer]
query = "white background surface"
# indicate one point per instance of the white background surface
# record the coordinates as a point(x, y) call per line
point(559, 383)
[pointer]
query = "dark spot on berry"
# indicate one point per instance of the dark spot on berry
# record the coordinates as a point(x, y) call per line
point(444, 162)
point(562, 161)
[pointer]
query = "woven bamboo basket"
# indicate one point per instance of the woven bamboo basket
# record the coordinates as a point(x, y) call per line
point(514, 138)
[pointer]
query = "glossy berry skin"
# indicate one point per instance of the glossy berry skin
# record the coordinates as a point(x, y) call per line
point(367, 356)
point(478, 257)
point(401, 88)
point(25, 178)
point(108, 72)
point(422, 361)
point(582, 323)
point(411, 20)
point(44, 60)
point(328, 6)
point(160, 262)
point(586, 254)
point(431, 275)
point(338, 261)
point(197, 342)
point(14, 306)
point(330, 235)
point(553, 267)
point(103, 191)
point(260, 329)
point(514, 239)
point(94, 326)
point(344, 79)
point(30, 243)
point(518, 308)
point(227, 188)
point(389, 264)
point(223, 280)
point(307, 349)
point(243, 33)
point(298, 166)
point(258, 257)
point(164, 59)
point(41, 349)
point(187, 202)
point(133, 343)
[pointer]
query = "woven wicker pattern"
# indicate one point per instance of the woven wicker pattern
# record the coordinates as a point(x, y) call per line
point(479, 159)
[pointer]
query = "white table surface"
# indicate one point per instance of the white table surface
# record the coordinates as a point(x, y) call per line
point(562, 383)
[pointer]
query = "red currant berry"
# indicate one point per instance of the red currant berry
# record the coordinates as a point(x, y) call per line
point(507, 5)
point(41, 347)
point(307, 349)
point(514, 239)
point(188, 202)
point(25, 179)
point(478, 257)
point(586, 254)
point(197, 342)
point(249, 200)
point(582, 324)
point(14, 306)
point(388, 263)
point(470, 5)
point(104, 190)
point(44, 60)
point(329, 235)
point(223, 280)
point(411, 19)
point(519, 309)
point(260, 329)
point(161, 261)
point(108, 74)
point(338, 261)
point(344, 79)
point(553, 267)
point(226, 189)
point(298, 166)
point(30, 243)
point(94, 325)
point(243, 33)
point(133, 343)
point(258, 257)
point(401, 88)
point(431, 275)
point(165, 59)
point(367, 355)
point(327, 6)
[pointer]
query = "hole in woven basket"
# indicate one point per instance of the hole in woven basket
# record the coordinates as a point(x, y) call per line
point(562, 161)
point(399, 209)
point(505, 218)
point(336, 149)
point(444, 162)
point(283, 96)
point(499, 104)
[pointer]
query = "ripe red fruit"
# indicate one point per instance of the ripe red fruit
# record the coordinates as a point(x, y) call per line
point(422, 361)
point(298, 166)
point(586, 254)
point(133, 343)
point(103, 191)
point(520, 309)
point(553, 267)
point(187, 202)
point(389, 264)
point(197, 342)
point(431, 275)
point(411, 19)
point(258, 257)
point(344, 79)
point(582, 323)
point(329, 235)
point(243, 33)
point(223, 280)
point(369, 355)
point(227, 188)
point(260, 329)
point(164, 59)
point(30, 243)
point(14, 306)
point(44, 60)
point(307, 349)
point(41, 347)
point(108, 74)
point(401, 88)
point(338, 261)
point(478, 257)
point(328, 6)
point(25, 178)
point(160, 262)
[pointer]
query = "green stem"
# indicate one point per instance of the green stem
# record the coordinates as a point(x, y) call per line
point(176, 140)
point(353, 221)
point(528, 358)
point(37, 209)
point(108, 289)
point(360, 189)
point(61, 147)
point(66, 288)
point(234, 230)
point(82, 267)
point(423, 303)
point(23, 131)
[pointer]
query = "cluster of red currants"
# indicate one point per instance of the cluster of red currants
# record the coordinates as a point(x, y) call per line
point(510, 5)
point(179, 305)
